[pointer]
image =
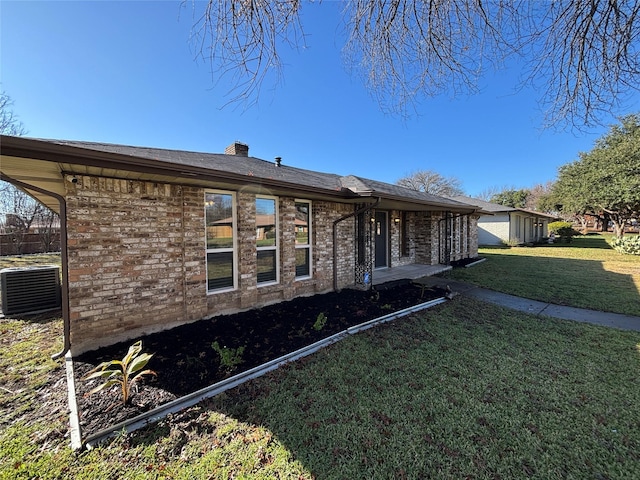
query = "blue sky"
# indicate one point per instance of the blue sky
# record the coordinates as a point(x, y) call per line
point(126, 72)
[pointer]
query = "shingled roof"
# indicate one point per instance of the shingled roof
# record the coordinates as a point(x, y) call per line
point(237, 164)
point(197, 168)
point(497, 208)
point(486, 206)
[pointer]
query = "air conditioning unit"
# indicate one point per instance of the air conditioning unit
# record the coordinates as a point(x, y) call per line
point(30, 289)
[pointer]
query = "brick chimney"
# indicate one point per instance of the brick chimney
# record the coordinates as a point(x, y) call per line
point(237, 148)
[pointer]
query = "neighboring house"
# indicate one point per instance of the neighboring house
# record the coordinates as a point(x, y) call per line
point(506, 225)
point(156, 238)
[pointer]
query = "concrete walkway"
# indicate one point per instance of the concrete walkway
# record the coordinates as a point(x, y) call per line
point(534, 307)
point(413, 271)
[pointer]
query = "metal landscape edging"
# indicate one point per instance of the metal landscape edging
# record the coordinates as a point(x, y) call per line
point(480, 260)
point(191, 399)
point(392, 316)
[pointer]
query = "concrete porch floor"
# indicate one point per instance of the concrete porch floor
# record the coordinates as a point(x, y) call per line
point(410, 272)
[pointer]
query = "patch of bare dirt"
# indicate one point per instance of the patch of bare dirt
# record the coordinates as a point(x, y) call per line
point(185, 360)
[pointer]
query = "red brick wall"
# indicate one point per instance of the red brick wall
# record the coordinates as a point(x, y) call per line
point(137, 261)
point(134, 262)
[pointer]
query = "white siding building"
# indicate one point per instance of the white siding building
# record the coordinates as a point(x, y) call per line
point(507, 225)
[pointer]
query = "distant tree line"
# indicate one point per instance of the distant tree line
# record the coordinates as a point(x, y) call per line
point(603, 184)
point(26, 226)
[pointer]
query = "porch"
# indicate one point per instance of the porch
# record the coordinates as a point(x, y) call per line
point(410, 272)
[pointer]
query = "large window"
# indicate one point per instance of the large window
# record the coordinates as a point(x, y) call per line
point(220, 235)
point(303, 239)
point(267, 239)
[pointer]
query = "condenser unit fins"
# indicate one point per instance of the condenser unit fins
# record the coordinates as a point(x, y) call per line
point(30, 289)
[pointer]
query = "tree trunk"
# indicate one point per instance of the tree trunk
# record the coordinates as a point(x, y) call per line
point(605, 223)
point(583, 224)
point(618, 226)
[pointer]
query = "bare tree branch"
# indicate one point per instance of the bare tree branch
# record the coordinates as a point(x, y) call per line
point(405, 49)
point(582, 55)
point(9, 123)
point(18, 211)
point(432, 182)
point(242, 38)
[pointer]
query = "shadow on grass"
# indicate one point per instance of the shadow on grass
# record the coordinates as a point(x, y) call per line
point(585, 241)
point(41, 318)
point(468, 391)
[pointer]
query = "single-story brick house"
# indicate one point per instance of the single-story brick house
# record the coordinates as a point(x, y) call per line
point(500, 224)
point(155, 238)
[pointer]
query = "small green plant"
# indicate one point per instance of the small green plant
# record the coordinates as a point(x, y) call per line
point(386, 306)
point(320, 322)
point(125, 372)
point(629, 245)
point(230, 358)
point(375, 295)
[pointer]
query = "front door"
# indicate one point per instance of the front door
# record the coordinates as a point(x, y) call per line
point(381, 239)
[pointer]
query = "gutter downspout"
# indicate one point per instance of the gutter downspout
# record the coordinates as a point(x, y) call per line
point(335, 237)
point(64, 257)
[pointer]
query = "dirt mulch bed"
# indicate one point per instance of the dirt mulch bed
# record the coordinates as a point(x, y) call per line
point(185, 360)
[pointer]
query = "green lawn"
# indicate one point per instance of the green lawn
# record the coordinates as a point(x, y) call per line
point(464, 390)
point(586, 273)
point(13, 261)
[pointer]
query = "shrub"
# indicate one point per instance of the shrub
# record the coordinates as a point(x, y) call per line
point(564, 230)
point(320, 322)
point(125, 372)
point(230, 358)
point(627, 245)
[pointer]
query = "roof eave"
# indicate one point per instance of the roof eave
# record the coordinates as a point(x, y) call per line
point(417, 204)
point(68, 154)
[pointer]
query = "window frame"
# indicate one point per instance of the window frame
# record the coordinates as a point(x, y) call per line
point(309, 245)
point(276, 247)
point(234, 243)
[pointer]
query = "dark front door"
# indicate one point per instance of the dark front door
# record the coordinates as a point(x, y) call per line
point(381, 239)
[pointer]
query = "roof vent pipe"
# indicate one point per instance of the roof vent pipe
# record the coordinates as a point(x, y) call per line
point(278, 161)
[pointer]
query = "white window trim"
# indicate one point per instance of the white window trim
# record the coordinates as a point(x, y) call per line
point(308, 246)
point(233, 249)
point(275, 247)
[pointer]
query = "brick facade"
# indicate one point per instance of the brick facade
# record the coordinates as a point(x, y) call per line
point(426, 237)
point(132, 260)
point(137, 261)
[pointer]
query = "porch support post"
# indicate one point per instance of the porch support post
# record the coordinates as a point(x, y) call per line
point(335, 237)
